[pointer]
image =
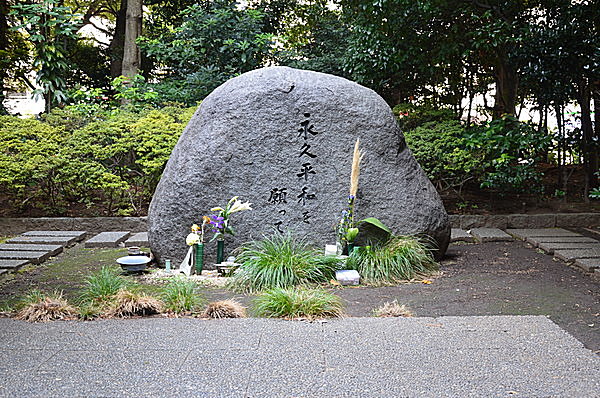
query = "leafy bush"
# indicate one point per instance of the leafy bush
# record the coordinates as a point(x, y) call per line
point(128, 303)
point(392, 310)
point(224, 309)
point(441, 150)
point(411, 116)
point(103, 285)
point(400, 259)
point(297, 302)
point(281, 261)
point(511, 151)
point(181, 295)
point(114, 160)
point(39, 307)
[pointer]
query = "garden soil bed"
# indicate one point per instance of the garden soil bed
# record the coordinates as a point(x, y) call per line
point(507, 278)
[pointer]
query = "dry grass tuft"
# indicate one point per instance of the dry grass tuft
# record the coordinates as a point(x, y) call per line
point(393, 309)
point(356, 159)
point(225, 309)
point(129, 303)
point(47, 309)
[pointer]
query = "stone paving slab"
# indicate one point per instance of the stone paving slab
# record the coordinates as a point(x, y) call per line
point(53, 249)
point(79, 235)
point(44, 240)
point(571, 255)
point(495, 356)
point(12, 264)
point(107, 239)
point(32, 257)
point(539, 232)
point(460, 235)
point(139, 239)
point(535, 241)
point(551, 247)
point(588, 264)
point(490, 235)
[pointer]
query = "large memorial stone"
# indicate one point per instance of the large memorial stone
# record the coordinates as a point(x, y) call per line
point(283, 139)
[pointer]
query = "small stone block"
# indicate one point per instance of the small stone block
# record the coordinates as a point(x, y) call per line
point(490, 235)
point(588, 264)
point(539, 232)
point(331, 250)
point(536, 241)
point(43, 240)
point(551, 247)
point(78, 235)
point(460, 235)
point(139, 239)
point(12, 264)
point(107, 239)
point(574, 254)
point(53, 249)
point(33, 257)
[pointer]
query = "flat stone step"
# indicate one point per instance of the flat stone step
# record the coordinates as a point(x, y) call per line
point(460, 235)
point(44, 240)
point(588, 264)
point(574, 254)
point(53, 249)
point(33, 257)
point(79, 235)
point(107, 239)
point(536, 241)
point(490, 235)
point(553, 246)
point(12, 264)
point(539, 232)
point(139, 239)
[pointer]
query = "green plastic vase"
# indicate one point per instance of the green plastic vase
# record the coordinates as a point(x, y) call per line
point(220, 250)
point(199, 260)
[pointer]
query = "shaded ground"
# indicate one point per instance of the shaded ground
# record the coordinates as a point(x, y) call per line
point(506, 278)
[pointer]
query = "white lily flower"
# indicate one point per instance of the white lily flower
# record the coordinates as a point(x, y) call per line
point(217, 209)
point(239, 206)
point(192, 239)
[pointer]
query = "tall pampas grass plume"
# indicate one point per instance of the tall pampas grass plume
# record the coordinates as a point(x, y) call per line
point(356, 159)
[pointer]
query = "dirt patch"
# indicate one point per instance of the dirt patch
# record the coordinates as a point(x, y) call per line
point(508, 278)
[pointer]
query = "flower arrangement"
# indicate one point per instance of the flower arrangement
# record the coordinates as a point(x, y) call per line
point(347, 230)
point(220, 222)
point(194, 238)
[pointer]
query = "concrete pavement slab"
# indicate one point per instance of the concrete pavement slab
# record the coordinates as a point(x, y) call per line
point(12, 264)
point(32, 257)
point(460, 235)
point(571, 255)
point(414, 357)
point(560, 239)
point(107, 239)
point(139, 239)
point(490, 235)
point(550, 247)
point(78, 235)
point(538, 232)
point(43, 240)
point(53, 249)
point(588, 264)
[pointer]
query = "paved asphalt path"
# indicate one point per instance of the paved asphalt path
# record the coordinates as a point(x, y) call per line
point(487, 356)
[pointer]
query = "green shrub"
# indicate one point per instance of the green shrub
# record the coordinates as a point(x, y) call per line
point(401, 258)
point(280, 261)
point(412, 116)
point(180, 295)
point(441, 150)
point(298, 302)
point(103, 285)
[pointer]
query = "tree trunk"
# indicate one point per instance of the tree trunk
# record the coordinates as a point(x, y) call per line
point(590, 160)
point(507, 81)
point(117, 42)
point(133, 30)
point(3, 48)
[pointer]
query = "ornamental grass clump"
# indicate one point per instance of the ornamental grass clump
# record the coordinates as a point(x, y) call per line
point(400, 259)
point(298, 302)
point(224, 309)
point(103, 285)
point(180, 295)
point(392, 310)
point(128, 303)
point(38, 307)
point(280, 261)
